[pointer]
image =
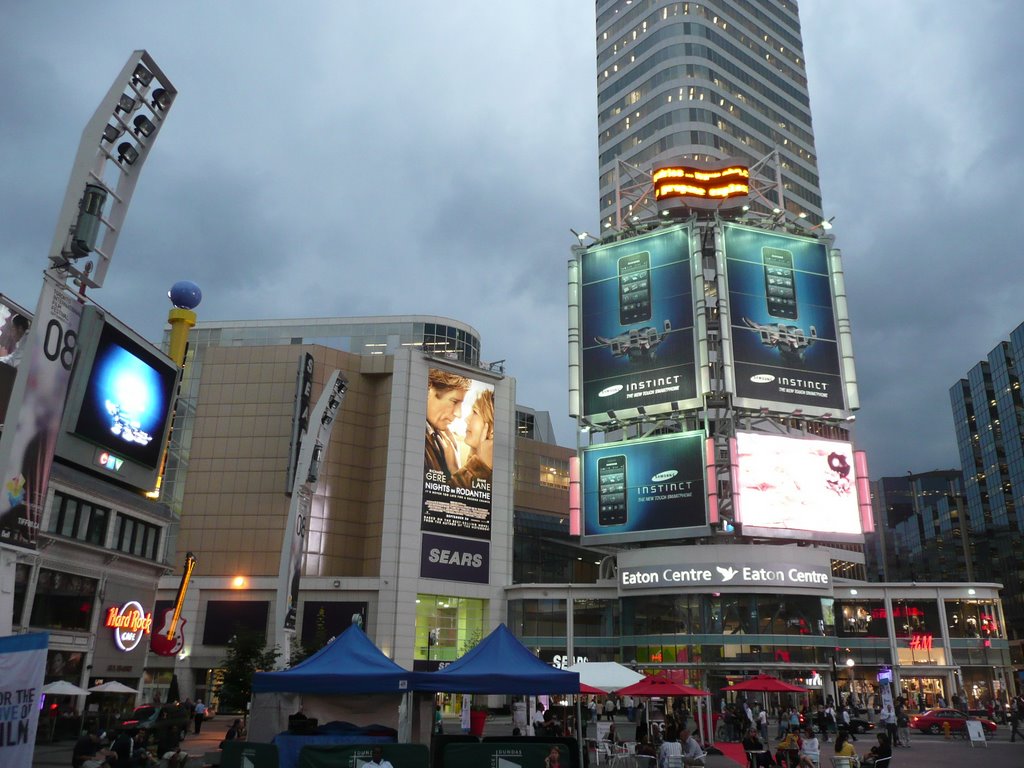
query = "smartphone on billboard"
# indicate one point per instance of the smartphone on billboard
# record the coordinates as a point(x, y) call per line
point(779, 282)
point(635, 288)
point(611, 490)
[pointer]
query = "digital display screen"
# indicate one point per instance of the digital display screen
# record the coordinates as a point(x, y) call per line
point(127, 399)
point(637, 351)
point(794, 484)
point(782, 320)
point(641, 490)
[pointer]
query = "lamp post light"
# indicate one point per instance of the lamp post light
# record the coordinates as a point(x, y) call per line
point(113, 149)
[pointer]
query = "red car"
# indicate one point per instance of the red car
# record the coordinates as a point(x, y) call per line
point(932, 720)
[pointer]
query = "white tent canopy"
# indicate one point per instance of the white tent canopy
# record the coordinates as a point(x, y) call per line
point(606, 675)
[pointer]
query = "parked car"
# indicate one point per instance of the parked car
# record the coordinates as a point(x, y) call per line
point(857, 724)
point(158, 719)
point(932, 721)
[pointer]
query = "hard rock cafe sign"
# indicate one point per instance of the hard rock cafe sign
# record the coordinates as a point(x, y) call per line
point(129, 622)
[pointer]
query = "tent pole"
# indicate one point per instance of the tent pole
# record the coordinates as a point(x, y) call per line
point(579, 727)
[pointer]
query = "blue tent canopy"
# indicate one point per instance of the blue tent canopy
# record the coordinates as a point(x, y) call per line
point(499, 664)
point(349, 664)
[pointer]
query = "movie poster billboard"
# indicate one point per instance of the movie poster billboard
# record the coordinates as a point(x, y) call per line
point(782, 320)
point(644, 490)
point(458, 455)
point(791, 486)
point(636, 326)
point(22, 664)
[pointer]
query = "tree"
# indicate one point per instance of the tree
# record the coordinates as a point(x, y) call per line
point(247, 655)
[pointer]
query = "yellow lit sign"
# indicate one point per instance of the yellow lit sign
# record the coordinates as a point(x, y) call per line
point(701, 183)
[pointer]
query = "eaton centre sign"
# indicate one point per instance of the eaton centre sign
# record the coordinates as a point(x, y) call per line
point(731, 574)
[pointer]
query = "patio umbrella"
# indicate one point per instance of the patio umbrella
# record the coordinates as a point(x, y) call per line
point(112, 687)
point(63, 688)
point(656, 685)
point(584, 688)
point(767, 684)
point(606, 675)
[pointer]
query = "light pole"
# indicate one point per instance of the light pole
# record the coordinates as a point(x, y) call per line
point(114, 146)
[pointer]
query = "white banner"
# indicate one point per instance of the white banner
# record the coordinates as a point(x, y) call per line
point(22, 663)
point(27, 445)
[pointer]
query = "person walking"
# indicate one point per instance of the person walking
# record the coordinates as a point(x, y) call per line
point(200, 716)
point(1016, 715)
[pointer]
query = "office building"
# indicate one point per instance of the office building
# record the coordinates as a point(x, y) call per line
point(709, 80)
point(987, 417)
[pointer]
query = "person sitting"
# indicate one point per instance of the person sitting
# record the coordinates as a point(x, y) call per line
point(757, 755)
point(644, 746)
point(881, 751)
point(810, 752)
point(670, 747)
point(788, 750)
point(88, 750)
point(692, 752)
point(845, 749)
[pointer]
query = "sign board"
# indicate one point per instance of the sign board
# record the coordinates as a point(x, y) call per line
point(976, 733)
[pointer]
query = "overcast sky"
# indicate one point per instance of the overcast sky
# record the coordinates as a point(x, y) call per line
point(344, 158)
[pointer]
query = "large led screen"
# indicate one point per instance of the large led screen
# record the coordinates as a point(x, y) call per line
point(782, 320)
point(636, 326)
point(458, 455)
point(642, 490)
point(127, 399)
point(791, 486)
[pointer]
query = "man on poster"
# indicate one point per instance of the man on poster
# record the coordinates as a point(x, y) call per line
point(445, 393)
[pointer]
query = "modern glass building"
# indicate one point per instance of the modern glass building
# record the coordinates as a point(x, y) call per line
point(988, 415)
point(722, 78)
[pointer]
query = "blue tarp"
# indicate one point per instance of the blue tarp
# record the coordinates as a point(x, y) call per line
point(349, 664)
point(499, 664)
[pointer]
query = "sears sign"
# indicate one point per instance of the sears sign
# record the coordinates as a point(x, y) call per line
point(445, 557)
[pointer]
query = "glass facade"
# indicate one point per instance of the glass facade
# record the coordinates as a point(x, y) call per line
point(448, 627)
point(63, 601)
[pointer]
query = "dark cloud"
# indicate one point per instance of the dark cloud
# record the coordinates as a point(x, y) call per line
point(354, 158)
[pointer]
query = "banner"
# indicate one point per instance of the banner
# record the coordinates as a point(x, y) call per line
point(445, 557)
point(458, 455)
point(28, 444)
point(22, 663)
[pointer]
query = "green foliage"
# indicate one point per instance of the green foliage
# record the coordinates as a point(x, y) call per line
point(247, 654)
point(320, 638)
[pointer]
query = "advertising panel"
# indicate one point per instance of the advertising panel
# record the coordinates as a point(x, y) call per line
point(643, 490)
point(636, 326)
point(458, 455)
point(791, 486)
point(782, 320)
point(45, 359)
point(444, 557)
point(22, 663)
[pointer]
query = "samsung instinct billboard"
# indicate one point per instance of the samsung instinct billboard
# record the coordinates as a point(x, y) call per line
point(796, 487)
point(636, 326)
point(458, 455)
point(644, 490)
point(782, 320)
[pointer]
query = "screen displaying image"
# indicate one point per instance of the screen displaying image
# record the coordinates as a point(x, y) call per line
point(794, 484)
point(637, 351)
point(127, 399)
point(782, 320)
point(640, 490)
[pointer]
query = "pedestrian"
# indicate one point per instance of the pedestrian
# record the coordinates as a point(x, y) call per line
point(1016, 715)
point(200, 715)
point(888, 718)
point(609, 709)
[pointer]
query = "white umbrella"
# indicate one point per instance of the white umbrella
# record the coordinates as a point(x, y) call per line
point(63, 688)
point(112, 687)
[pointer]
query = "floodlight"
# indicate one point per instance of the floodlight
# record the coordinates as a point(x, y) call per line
point(125, 104)
point(143, 125)
point(112, 133)
point(142, 76)
point(126, 153)
point(161, 99)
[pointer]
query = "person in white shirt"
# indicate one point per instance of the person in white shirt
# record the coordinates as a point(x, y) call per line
point(692, 752)
point(377, 759)
point(669, 747)
point(810, 751)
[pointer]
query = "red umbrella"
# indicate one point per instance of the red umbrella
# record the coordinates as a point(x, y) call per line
point(656, 685)
point(584, 688)
point(765, 683)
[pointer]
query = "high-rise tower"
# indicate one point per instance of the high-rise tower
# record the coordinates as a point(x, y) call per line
point(720, 78)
